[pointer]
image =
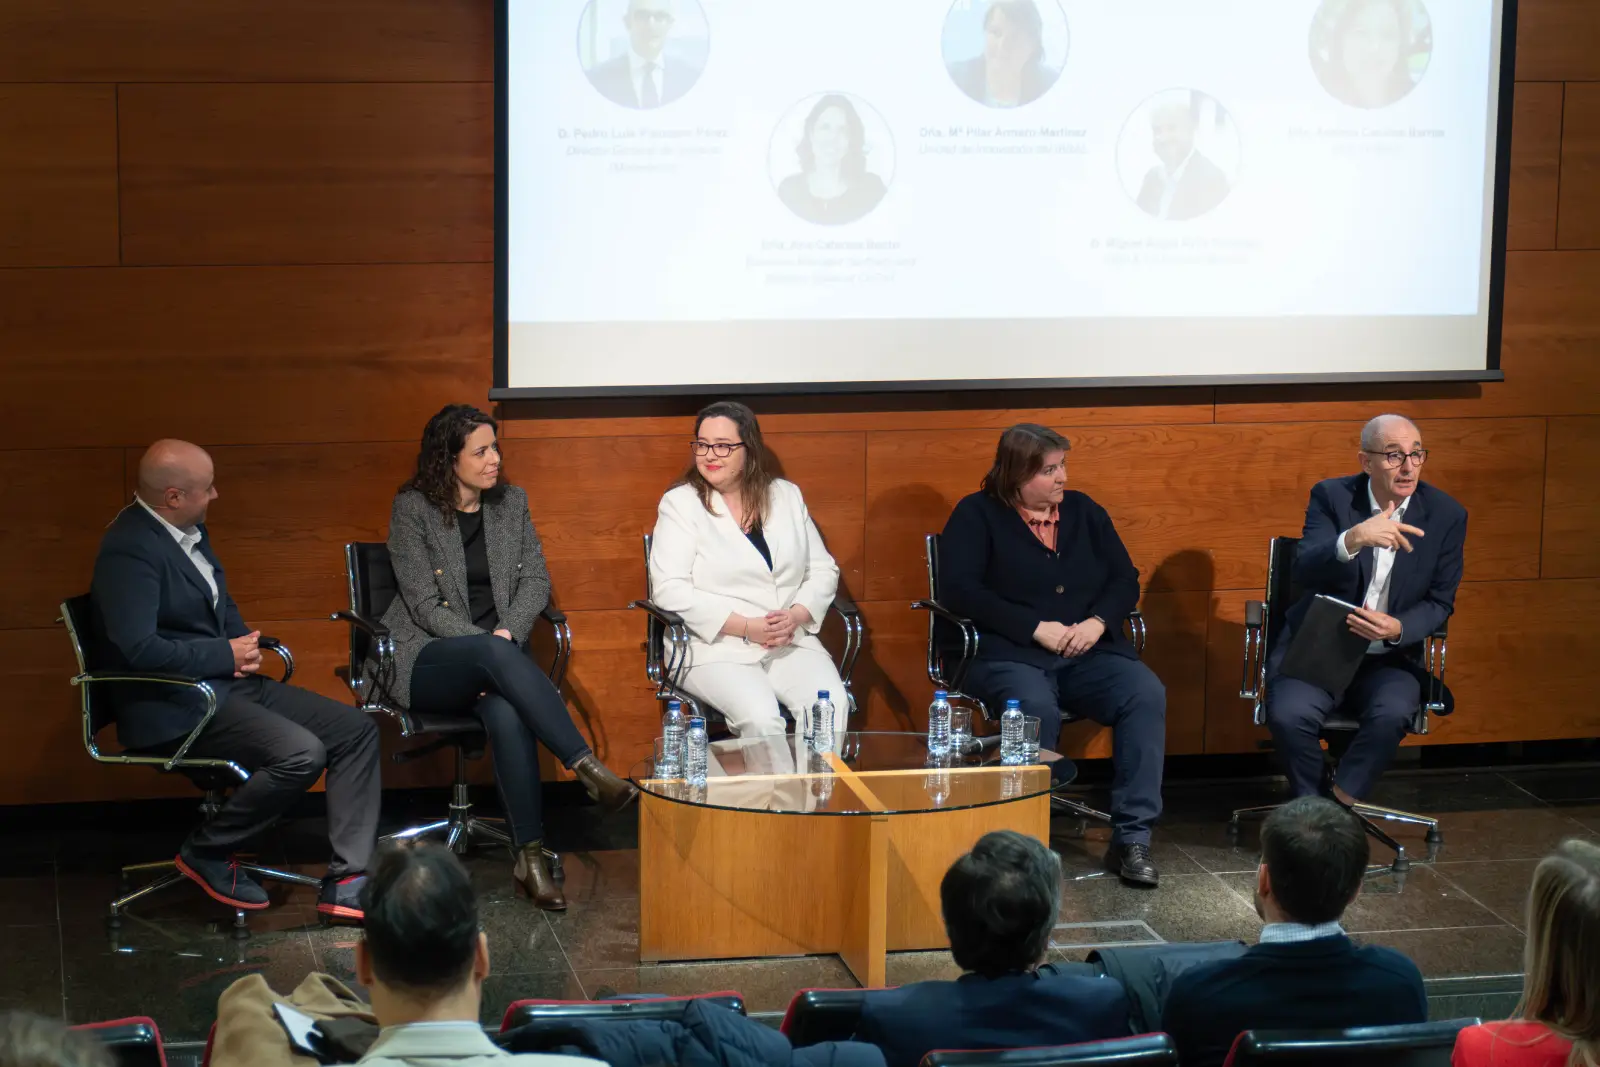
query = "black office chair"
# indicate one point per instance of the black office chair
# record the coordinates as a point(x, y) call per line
point(1263, 620)
point(667, 650)
point(818, 1015)
point(1415, 1045)
point(134, 1042)
point(213, 776)
point(372, 588)
point(1146, 1050)
point(953, 646)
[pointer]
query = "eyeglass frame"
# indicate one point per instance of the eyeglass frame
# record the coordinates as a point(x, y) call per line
point(702, 448)
point(1418, 456)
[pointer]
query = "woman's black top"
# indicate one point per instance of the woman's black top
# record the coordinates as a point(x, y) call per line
point(759, 539)
point(480, 594)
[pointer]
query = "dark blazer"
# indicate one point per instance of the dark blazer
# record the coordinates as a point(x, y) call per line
point(972, 1012)
point(430, 570)
point(153, 612)
point(972, 77)
point(614, 79)
point(1202, 187)
point(1329, 983)
point(1422, 585)
point(993, 570)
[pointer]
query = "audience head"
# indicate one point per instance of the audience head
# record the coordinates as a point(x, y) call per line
point(727, 455)
point(1562, 987)
point(1000, 902)
point(1382, 436)
point(1172, 130)
point(1013, 34)
point(459, 460)
point(177, 480)
point(1030, 467)
point(28, 1040)
point(420, 943)
point(649, 23)
point(1313, 856)
point(835, 138)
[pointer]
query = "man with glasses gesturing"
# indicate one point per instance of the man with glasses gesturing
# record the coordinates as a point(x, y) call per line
point(1392, 544)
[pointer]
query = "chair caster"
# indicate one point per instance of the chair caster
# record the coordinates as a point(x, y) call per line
point(114, 921)
point(1402, 862)
point(558, 870)
point(241, 930)
point(1234, 828)
point(1434, 837)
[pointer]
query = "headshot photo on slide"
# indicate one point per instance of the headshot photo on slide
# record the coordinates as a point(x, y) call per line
point(831, 158)
point(1179, 154)
point(1371, 53)
point(643, 54)
point(1005, 53)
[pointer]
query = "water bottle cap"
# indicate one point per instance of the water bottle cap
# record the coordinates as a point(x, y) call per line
point(1013, 703)
point(696, 720)
point(822, 694)
point(940, 694)
point(674, 705)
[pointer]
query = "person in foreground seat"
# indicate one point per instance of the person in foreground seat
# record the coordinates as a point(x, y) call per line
point(1557, 1024)
point(423, 958)
point(1000, 903)
point(1305, 973)
point(161, 604)
point(29, 1040)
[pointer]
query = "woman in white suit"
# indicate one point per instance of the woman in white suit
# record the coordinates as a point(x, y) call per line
point(736, 554)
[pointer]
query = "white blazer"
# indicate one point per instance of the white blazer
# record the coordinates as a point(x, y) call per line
point(703, 567)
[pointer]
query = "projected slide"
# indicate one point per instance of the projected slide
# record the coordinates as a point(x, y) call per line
point(897, 193)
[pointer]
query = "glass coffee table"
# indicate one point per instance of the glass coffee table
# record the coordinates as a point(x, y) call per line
point(787, 852)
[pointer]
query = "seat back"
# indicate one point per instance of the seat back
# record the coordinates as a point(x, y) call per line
point(654, 632)
point(373, 588)
point(550, 1020)
point(818, 1015)
point(77, 614)
point(1282, 591)
point(134, 1042)
point(1416, 1045)
point(950, 646)
point(1146, 1050)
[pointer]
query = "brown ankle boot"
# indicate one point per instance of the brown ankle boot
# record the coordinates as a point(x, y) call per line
point(605, 788)
point(533, 876)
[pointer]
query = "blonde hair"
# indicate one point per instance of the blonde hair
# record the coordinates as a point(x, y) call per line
point(1562, 987)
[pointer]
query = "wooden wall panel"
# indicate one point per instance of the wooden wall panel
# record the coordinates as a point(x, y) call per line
point(1571, 503)
point(50, 536)
point(1535, 166)
point(1580, 167)
point(221, 174)
point(247, 41)
point(247, 355)
point(1558, 40)
point(58, 175)
point(1197, 505)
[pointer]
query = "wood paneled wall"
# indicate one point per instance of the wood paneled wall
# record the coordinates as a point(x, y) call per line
point(267, 227)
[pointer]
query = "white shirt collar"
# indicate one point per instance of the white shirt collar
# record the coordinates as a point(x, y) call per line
point(1377, 509)
point(191, 536)
point(1176, 173)
point(1291, 933)
point(638, 63)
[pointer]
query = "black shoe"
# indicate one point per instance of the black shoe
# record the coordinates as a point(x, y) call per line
point(1133, 863)
point(340, 898)
point(223, 880)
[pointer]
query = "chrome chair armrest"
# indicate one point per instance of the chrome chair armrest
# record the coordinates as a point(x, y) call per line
point(1138, 633)
point(206, 691)
point(1434, 649)
point(272, 644)
point(666, 670)
point(383, 645)
point(657, 612)
point(375, 630)
point(1253, 683)
point(855, 633)
point(563, 635)
point(954, 678)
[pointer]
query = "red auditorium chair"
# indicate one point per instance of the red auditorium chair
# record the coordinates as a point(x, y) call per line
point(1414, 1045)
point(1146, 1050)
point(133, 1042)
point(818, 1015)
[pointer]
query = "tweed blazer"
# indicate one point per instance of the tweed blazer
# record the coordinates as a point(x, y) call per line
point(430, 570)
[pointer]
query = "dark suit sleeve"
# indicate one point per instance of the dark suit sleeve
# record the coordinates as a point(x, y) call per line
point(127, 593)
point(533, 588)
point(408, 554)
point(1317, 563)
point(1439, 602)
point(964, 549)
point(1120, 594)
point(233, 623)
point(1179, 1016)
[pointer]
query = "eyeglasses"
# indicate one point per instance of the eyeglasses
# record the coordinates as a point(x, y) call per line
point(660, 18)
point(1392, 460)
point(721, 451)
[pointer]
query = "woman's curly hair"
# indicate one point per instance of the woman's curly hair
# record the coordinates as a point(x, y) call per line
point(442, 440)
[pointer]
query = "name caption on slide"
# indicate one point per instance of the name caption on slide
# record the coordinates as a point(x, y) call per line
point(1003, 141)
point(643, 149)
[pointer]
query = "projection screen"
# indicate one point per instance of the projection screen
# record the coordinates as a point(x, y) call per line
point(878, 195)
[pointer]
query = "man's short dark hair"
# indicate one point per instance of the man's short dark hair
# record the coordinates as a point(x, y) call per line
point(421, 926)
point(1000, 902)
point(1316, 855)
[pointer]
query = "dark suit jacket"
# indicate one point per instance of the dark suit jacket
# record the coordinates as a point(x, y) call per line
point(973, 1012)
point(1202, 187)
point(614, 79)
point(1422, 585)
point(972, 77)
point(1329, 983)
point(153, 612)
point(993, 570)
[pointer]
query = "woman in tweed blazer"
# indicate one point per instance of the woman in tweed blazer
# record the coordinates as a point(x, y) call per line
point(471, 583)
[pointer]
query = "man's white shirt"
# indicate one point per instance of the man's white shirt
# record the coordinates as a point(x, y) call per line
point(189, 544)
point(1377, 598)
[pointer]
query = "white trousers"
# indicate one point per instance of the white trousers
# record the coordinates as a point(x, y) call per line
point(749, 694)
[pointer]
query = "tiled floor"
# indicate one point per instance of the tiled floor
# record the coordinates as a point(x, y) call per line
point(1458, 915)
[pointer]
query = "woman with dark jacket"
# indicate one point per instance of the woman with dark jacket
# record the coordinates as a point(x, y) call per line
point(1043, 574)
point(471, 583)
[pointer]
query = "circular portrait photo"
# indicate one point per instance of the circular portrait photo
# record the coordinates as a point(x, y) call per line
point(1005, 53)
point(1371, 53)
point(832, 158)
point(1178, 155)
point(643, 54)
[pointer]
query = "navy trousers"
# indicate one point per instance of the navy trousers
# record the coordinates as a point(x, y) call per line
point(1384, 698)
point(1111, 690)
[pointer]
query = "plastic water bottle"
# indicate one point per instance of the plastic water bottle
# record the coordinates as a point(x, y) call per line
point(939, 724)
point(673, 726)
point(1012, 748)
point(694, 752)
point(937, 781)
point(822, 723)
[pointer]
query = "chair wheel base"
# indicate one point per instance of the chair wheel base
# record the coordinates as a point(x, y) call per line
point(1434, 837)
point(241, 930)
